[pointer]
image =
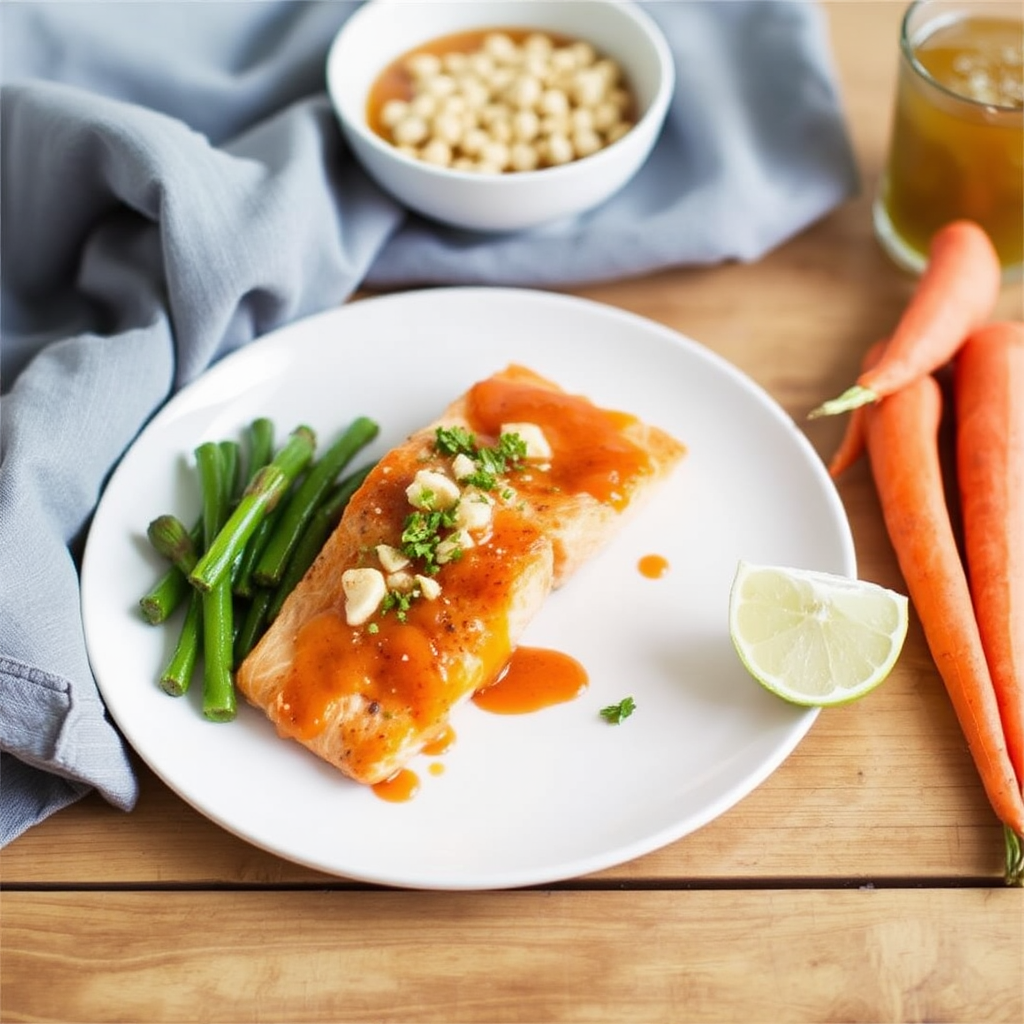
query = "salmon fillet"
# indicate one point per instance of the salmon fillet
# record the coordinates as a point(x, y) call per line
point(368, 656)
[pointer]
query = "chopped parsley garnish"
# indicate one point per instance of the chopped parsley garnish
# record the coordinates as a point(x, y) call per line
point(491, 463)
point(455, 441)
point(426, 528)
point(421, 533)
point(401, 601)
point(614, 714)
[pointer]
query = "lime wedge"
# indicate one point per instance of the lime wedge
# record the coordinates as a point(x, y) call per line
point(814, 638)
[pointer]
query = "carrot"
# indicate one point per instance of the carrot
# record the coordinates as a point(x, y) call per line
point(988, 391)
point(902, 441)
point(854, 439)
point(955, 294)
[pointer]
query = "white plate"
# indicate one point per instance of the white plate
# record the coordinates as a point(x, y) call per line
point(522, 799)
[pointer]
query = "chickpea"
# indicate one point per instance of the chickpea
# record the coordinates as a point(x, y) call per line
point(447, 127)
point(605, 115)
point(554, 125)
point(454, 104)
point(440, 86)
point(611, 71)
point(495, 153)
point(411, 131)
point(476, 94)
point(620, 97)
point(553, 102)
point(437, 152)
point(581, 119)
point(525, 125)
point(501, 130)
point(562, 61)
point(558, 150)
point(588, 88)
point(500, 47)
point(423, 65)
point(586, 141)
point(423, 105)
point(502, 79)
point(538, 43)
point(455, 63)
point(537, 65)
point(617, 131)
point(523, 157)
point(585, 53)
point(481, 64)
point(392, 112)
point(474, 141)
point(525, 92)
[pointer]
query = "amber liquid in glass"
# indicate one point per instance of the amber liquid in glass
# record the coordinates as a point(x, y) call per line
point(958, 146)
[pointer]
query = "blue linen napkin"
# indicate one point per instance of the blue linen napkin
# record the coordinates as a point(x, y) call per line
point(173, 185)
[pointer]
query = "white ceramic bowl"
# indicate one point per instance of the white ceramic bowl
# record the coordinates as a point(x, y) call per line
point(382, 30)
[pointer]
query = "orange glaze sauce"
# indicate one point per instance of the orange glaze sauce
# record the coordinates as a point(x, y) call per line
point(441, 744)
point(410, 674)
point(589, 453)
point(653, 566)
point(401, 786)
point(535, 678)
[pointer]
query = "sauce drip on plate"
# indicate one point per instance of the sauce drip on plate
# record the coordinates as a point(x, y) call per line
point(653, 567)
point(536, 678)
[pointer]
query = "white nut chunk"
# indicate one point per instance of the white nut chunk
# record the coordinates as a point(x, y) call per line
point(474, 511)
point(432, 491)
point(364, 590)
point(463, 466)
point(400, 581)
point(532, 436)
point(430, 589)
point(391, 559)
point(453, 546)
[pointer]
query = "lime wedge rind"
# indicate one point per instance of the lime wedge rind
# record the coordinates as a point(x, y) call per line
point(813, 638)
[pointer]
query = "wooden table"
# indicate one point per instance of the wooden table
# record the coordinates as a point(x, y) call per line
point(861, 882)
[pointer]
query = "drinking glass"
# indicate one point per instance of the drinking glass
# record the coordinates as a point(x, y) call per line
point(957, 144)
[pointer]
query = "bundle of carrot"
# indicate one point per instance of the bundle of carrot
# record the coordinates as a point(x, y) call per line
point(970, 605)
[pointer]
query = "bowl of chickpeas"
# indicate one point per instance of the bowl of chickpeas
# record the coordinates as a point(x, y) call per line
point(500, 116)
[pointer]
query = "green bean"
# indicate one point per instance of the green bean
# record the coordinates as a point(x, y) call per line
point(261, 443)
point(303, 503)
point(261, 451)
point(324, 520)
point(219, 698)
point(177, 676)
point(171, 538)
point(253, 624)
point(231, 454)
point(164, 597)
point(260, 497)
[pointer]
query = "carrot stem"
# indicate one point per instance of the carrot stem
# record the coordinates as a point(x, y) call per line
point(1014, 872)
point(955, 294)
point(854, 439)
point(902, 440)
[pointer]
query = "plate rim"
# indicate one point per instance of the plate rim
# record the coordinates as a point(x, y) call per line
point(622, 853)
